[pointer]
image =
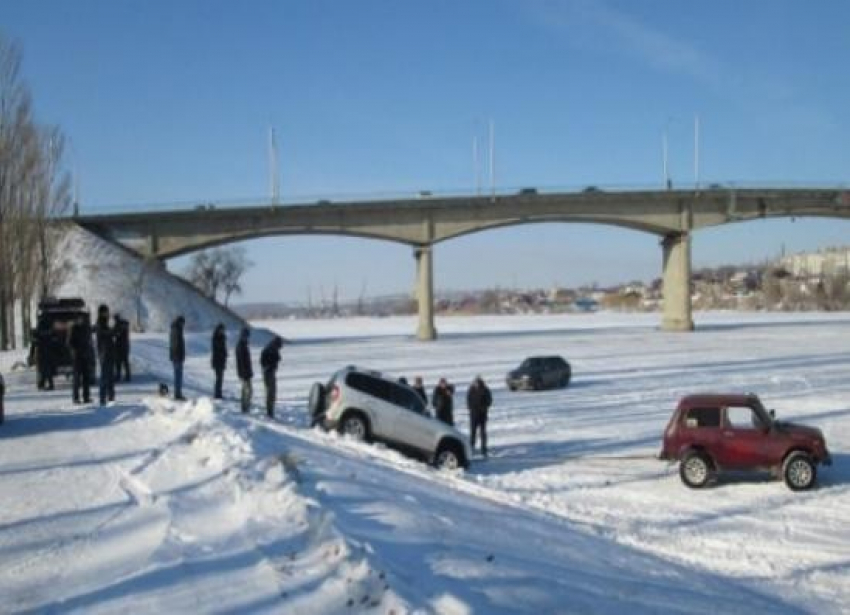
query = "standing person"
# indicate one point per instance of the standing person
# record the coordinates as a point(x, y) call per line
point(79, 341)
point(243, 367)
point(122, 348)
point(478, 400)
point(44, 355)
point(2, 395)
point(443, 401)
point(269, 360)
point(177, 354)
point(105, 336)
point(419, 387)
point(219, 357)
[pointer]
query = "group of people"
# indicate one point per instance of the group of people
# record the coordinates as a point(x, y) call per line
point(110, 350)
point(269, 362)
point(478, 402)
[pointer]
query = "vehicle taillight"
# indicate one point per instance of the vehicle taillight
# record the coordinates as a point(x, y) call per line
point(334, 394)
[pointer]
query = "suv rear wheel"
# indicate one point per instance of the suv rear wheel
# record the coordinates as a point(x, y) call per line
point(799, 471)
point(355, 425)
point(449, 456)
point(695, 470)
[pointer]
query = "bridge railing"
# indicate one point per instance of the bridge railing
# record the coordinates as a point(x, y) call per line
point(412, 195)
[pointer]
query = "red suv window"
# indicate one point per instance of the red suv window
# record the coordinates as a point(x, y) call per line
point(702, 417)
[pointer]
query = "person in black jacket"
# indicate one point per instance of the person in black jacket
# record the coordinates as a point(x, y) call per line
point(269, 360)
point(79, 341)
point(105, 336)
point(443, 401)
point(243, 367)
point(45, 348)
point(478, 400)
point(122, 348)
point(419, 387)
point(219, 357)
point(177, 354)
point(2, 395)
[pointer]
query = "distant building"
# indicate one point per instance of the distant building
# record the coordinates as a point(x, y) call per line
point(830, 261)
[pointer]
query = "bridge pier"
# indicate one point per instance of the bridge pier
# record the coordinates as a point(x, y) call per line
point(425, 293)
point(676, 282)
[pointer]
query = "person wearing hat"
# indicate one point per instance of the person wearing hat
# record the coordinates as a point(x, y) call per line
point(478, 400)
point(218, 361)
point(243, 367)
point(2, 395)
point(122, 348)
point(177, 354)
point(105, 336)
point(269, 360)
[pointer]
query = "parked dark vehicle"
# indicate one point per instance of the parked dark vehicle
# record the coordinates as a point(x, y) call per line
point(711, 433)
point(537, 373)
point(56, 317)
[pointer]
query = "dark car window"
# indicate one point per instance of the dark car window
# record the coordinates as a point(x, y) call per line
point(702, 417)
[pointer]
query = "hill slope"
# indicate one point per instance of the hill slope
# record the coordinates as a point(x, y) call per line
point(143, 292)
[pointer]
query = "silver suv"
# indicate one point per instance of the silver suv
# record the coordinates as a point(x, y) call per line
point(368, 405)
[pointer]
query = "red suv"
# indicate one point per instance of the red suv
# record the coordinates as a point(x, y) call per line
point(710, 433)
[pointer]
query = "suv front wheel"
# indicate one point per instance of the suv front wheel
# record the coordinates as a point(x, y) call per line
point(449, 456)
point(695, 469)
point(799, 471)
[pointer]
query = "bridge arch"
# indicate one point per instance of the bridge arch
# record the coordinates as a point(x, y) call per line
point(421, 223)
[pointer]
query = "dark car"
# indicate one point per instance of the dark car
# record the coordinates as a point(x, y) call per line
point(55, 317)
point(711, 433)
point(537, 373)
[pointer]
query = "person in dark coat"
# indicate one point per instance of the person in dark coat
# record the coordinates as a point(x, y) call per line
point(2, 395)
point(105, 336)
point(177, 354)
point(443, 401)
point(122, 348)
point(269, 360)
point(79, 341)
point(478, 400)
point(419, 387)
point(45, 349)
point(219, 357)
point(243, 367)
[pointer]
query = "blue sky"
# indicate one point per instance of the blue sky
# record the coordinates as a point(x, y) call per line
point(171, 102)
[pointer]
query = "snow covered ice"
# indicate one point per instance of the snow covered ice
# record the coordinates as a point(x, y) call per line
point(155, 506)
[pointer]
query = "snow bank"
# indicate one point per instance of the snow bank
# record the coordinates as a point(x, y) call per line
point(145, 293)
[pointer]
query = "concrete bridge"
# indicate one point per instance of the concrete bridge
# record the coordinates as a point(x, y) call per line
point(422, 222)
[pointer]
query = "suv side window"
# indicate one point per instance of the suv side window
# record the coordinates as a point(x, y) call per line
point(369, 385)
point(702, 417)
point(741, 417)
point(407, 399)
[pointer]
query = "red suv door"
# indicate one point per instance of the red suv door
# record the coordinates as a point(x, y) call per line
point(744, 443)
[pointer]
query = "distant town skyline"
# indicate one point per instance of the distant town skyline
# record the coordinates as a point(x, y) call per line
point(173, 102)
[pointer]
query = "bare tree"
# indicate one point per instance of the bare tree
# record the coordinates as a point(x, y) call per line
point(218, 269)
point(234, 264)
point(34, 194)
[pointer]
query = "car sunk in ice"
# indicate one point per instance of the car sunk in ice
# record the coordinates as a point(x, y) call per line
point(367, 405)
point(711, 433)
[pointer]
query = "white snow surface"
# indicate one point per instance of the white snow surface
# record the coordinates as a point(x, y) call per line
point(145, 293)
point(153, 506)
